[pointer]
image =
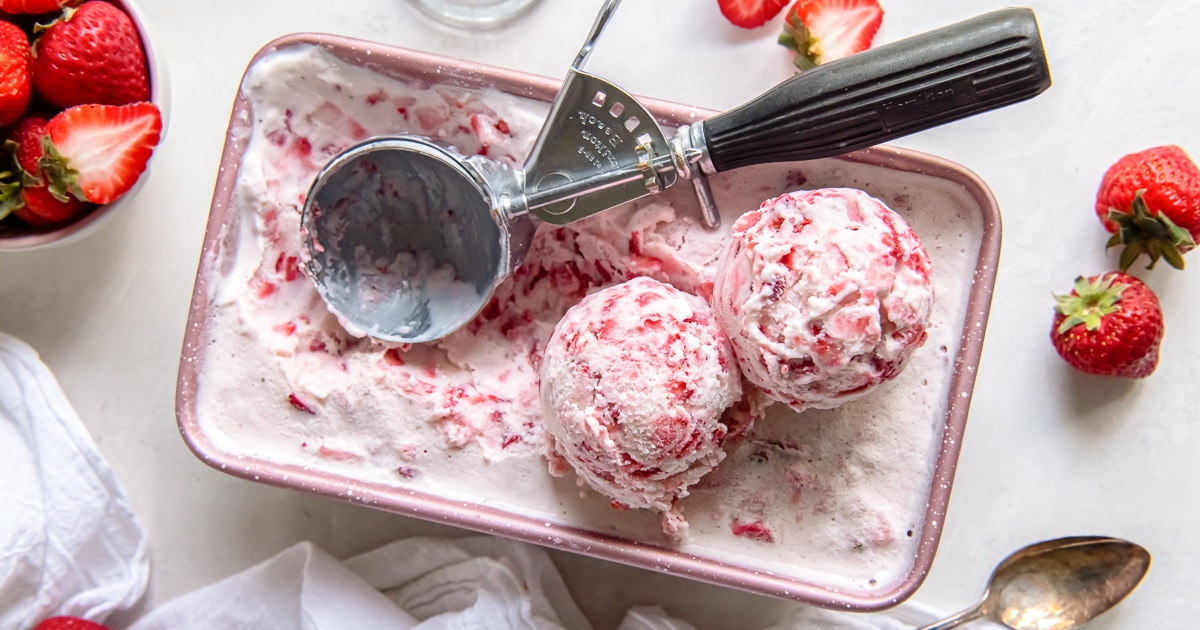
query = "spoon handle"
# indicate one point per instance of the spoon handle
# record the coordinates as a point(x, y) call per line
point(956, 620)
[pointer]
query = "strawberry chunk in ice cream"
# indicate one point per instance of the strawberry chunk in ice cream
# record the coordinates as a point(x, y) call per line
point(634, 383)
point(824, 295)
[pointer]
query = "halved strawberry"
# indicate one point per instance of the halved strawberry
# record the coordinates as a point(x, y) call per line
point(97, 152)
point(750, 13)
point(821, 31)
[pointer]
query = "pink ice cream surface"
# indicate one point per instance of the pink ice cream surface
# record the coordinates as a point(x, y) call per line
point(824, 295)
point(634, 382)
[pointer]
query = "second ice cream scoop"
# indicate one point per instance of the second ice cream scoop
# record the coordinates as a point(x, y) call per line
point(825, 294)
point(637, 433)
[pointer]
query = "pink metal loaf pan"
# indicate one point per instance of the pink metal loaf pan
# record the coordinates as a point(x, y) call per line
point(221, 236)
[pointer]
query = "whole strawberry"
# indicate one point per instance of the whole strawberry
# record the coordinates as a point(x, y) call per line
point(1110, 325)
point(15, 83)
point(750, 13)
point(820, 31)
point(68, 623)
point(1150, 201)
point(27, 193)
point(91, 55)
point(33, 6)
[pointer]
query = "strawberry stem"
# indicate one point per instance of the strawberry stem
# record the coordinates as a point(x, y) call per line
point(64, 180)
point(10, 193)
point(1089, 302)
point(1155, 235)
point(797, 38)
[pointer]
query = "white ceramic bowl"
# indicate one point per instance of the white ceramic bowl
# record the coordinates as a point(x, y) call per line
point(15, 236)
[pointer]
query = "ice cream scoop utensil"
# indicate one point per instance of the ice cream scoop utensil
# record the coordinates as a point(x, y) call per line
point(599, 148)
point(406, 239)
point(1057, 584)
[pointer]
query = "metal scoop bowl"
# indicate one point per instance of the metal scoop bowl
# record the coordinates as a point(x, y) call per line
point(406, 239)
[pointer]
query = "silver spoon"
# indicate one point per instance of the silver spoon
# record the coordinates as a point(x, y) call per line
point(406, 239)
point(1057, 584)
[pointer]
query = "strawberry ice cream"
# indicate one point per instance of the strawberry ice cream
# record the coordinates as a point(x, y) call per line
point(633, 431)
point(824, 294)
point(832, 497)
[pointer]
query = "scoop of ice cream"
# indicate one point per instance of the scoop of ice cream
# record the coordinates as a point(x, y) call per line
point(634, 382)
point(824, 295)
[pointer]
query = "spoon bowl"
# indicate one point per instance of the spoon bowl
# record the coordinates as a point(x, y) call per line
point(1057, 584)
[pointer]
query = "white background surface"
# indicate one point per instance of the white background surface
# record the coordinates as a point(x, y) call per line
point(1047, 453)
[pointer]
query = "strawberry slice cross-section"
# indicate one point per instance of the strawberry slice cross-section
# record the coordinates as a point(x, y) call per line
point(820, 31)
point(97, 152)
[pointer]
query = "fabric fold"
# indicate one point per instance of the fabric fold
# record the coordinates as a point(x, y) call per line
point(70, 542)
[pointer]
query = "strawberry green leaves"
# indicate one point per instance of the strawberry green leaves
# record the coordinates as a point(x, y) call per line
point(1156, 236)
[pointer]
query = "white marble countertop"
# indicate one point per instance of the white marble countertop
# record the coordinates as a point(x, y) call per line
point(1048, 452)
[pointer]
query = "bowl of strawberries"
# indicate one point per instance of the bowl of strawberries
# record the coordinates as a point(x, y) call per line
point(82, 109)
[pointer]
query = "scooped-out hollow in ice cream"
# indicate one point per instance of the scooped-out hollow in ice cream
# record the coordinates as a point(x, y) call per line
point(824, 294)
point(634, 383)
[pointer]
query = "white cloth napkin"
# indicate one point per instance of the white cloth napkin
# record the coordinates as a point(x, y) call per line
point(72, 546)
point(69, 543)
point(427, 583)
point(474, 583)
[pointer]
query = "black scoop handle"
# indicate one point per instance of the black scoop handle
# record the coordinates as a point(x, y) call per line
point(884, 93)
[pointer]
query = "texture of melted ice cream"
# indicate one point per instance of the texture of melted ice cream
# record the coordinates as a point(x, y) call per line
point(830, 497)
point(825, 295)
point(632, 430)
